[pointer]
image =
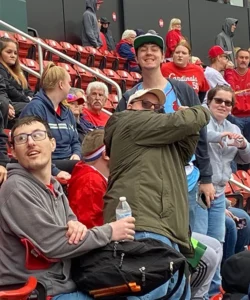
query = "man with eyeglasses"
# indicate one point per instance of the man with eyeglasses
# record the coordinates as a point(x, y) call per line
point(148, 151)
point(38, 231)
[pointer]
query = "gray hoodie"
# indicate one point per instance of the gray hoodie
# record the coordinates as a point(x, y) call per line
point(29, 210)
point(90, 29)
point(225, 38)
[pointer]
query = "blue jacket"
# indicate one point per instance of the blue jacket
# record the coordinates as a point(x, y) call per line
point(63, 127)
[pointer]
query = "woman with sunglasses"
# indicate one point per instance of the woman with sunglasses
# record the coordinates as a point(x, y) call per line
point(226, 144)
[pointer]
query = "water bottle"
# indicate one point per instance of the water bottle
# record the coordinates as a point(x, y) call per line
point(123, 209)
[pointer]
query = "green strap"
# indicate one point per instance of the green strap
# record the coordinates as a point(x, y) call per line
point(199, 250)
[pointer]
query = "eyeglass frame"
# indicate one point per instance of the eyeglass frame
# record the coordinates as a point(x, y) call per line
point(152, 104)
point(223, 101)
point(27, 136)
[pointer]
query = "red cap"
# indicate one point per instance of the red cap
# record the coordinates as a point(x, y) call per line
point(216, 51)
point(72, 98)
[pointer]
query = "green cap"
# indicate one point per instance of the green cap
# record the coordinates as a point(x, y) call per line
point(149, 38)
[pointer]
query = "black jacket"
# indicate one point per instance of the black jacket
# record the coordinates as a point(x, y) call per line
point(4, 159)
point(187, 97)
point(14, 90)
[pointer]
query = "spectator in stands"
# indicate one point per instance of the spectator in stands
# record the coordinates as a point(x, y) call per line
point(222, 152)
point(225, 38)
point(125, 48)
point(140, 142)
point(15, 82)
point(90, 29)
point(76, 105)
point(7, 110)
point(88, 183)
point(107, 33)
point(47, 104)
point(34, 209)
point(173, 37)
point(236, 238)
point(239, 79)
point(139, 32)
point(104, 46)
point(181, 69)
point(97, 94)
point(219, 61)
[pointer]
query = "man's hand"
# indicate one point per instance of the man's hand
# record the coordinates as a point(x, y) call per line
point(3, 174)
point(229, 65)
point(63, 175)
point(11, 113)
point(76, 232)
point(231, 215)
point(123, 229)
point(208, 190)
point(74, 157)
point(183, 107)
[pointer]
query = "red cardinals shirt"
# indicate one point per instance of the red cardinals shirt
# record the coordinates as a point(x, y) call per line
point(96, 119)
point(191, 74)
point(241, 85)
point(86, 189)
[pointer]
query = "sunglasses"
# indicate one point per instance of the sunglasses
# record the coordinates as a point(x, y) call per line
point(146, 104)
point(220, 101)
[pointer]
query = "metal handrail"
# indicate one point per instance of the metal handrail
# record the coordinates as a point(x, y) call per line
point(30, 71)
point(60, 54)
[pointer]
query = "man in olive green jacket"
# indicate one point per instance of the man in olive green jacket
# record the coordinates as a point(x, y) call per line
point(148, 152)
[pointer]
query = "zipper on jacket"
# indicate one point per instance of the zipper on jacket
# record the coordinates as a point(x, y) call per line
point(121, 261)
point(171, 267)
point(143, 275)
point(115, 248)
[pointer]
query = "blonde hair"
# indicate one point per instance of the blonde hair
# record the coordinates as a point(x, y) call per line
point(92, 141)
point(173, 22)
point(185, 44)
point(15, 70)
point(52, 74)
point(127, 34)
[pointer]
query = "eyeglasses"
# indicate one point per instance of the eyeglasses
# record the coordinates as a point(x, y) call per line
point(148, 105)
point(220, 101)
point(22, 138)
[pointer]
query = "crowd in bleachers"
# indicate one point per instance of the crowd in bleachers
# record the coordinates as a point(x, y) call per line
point(169, 146)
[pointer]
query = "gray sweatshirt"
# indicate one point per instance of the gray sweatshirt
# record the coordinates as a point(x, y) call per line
point(221, 157)
point(29, 210)
point(90, 29)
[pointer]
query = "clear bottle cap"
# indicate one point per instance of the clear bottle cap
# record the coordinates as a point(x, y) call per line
point(122, 198)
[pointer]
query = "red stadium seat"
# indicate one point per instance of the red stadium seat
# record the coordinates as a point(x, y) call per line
point(84, 56)
point(85, 77)
point(69, 49)
point(98, 57)
point(72, 72)
point(236, 199)
point(111, 60)
point(136, 76)
point(56, 46)
point(236, 189)
point(122, 62)
point(130, 81)
point(25, 46)
point(114, 76)
point(9, 35)
point(35, 53)
point(32, 64)
point(22, 293)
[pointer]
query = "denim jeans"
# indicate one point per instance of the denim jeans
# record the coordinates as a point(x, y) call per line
point(168, 286)
point(211, 222)
point(192, 201)
point(72, 296)
point(236, 239)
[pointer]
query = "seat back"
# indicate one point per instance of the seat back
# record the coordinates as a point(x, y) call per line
point(22, 293)
point(244, 176)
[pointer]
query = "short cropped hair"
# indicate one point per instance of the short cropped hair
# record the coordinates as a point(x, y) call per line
point(97, 85)
point(127, 34)
point(92, 141)
point(212, 93)
point(28, 121)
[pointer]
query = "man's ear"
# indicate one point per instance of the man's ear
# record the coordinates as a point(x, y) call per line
point(53, 144)
point(129, 106)
point(13, 152)
point(104, 156)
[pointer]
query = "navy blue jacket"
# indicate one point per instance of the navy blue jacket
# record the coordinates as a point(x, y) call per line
point(63, 127)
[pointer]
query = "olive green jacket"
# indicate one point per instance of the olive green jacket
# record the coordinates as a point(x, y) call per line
point(148, 152)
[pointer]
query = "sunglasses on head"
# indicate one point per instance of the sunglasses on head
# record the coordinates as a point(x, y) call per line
point(146, 104)
point(220, 101)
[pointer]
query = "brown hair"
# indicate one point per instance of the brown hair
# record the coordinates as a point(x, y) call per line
point(212, 93)
point(15, 70)
point(185, 44)
point(52, 74)
point(92, 141)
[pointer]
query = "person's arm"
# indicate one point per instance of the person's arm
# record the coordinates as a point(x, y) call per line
point(11, 90)
point(125, 52)
point(87, 24)
point(40, 220)
point(172, 40)
point(75, 144)
point(220, 41)
point(229, 77)
point(154, 129)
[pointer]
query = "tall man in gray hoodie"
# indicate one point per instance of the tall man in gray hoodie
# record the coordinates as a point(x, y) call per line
point(90, 29)
point(36, 222)
point(225, 37)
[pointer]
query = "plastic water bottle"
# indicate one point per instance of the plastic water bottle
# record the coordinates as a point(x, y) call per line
point(123, 209)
